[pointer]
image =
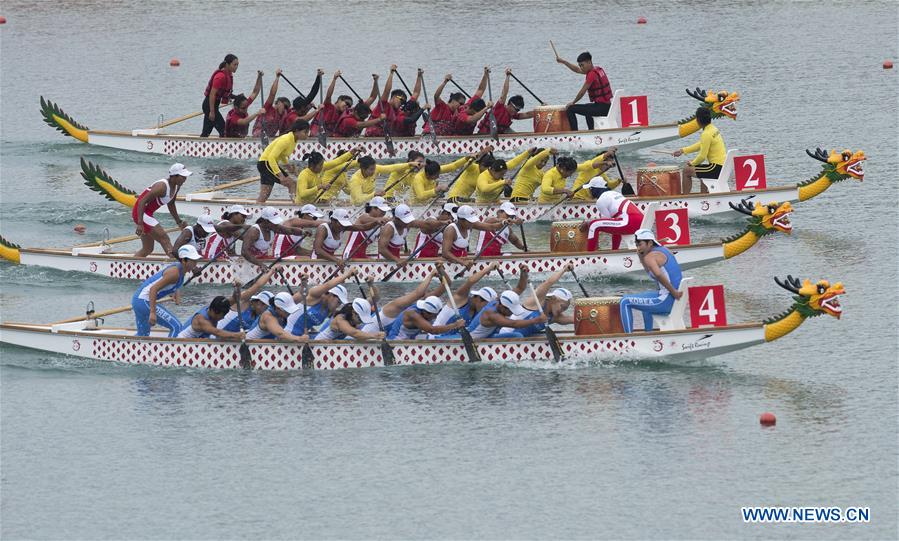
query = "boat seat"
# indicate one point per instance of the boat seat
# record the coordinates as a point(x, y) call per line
point(674, 321)
point(649, 222)
point(721, 184)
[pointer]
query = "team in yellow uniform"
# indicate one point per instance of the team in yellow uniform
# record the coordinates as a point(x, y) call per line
point(711, 153)
point(316, 174)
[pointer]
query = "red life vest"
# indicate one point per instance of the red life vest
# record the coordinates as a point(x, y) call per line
point(225, 93)
point(599, 91)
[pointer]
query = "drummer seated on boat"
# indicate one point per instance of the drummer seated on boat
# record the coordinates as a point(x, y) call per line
point(221, 242)
point(162, 192)
point(368, 228)
point(346, 323)
point(456, 235)
point(288, 245)
point(530, 176)
point(463, 189)
point(711, 154)
point(273, 161)
point(321, 302)
point(196, 235)
point(257, 241)
point(596, 86)
point(204, 323)
point(555, 302)
point(168, 281)
point(505, 110)
point(618, 215)
point(270, 325)
point(664, 270)
point(443, 112)
point(492, 244)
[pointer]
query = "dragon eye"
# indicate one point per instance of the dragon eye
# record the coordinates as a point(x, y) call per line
point(771, 209)
point(722, 96)
point(846, 155)
point(821, 289)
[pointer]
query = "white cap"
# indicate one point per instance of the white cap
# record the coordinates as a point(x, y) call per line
point(339, 291)
point(188, 252)
point(264, 296)
point(509, 208)
point(180, 170)
point(363, 309)
point(342, 216)
point(311, 210)
point(379, 202)
point(645, 234)
point(486, 293)
point(404, 213)
point(560, 293)
point(431, 304)
point(272, 215)
point(510, 300)
point(451, 208)
point(597, 182)
point(237, 209)
point(207, 223)
point(284, 301)
point(467, 213)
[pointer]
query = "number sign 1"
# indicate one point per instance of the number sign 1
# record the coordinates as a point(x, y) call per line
point(634, 111)
point(749, 172)
point(707, 306)
point(673, 226)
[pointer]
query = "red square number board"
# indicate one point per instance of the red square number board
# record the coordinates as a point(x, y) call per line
point(707, 306)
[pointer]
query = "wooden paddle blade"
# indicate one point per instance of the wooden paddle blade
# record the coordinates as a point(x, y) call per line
point(474, 356)
point(322, 137)
point(387, 354)
point(390, 148)
point(554, 345)
point(308, 358)
point(246, 360)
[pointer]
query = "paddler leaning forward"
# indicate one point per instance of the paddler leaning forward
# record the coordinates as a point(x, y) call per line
point(147, 311)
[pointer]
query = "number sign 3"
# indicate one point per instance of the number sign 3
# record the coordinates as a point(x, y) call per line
point(673, 226)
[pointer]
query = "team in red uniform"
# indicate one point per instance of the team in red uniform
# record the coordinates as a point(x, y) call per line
point(218, 92)
point(505, 111)
point(596, 86)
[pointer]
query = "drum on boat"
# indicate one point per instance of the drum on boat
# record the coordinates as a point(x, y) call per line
point(567, 237)
point(597, 315)
point(664, 180)
point(551, 119)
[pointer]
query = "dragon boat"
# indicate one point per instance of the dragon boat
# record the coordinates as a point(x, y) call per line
point(836, 167)
point(89, 340)
point(611, 132)
point(96, 258)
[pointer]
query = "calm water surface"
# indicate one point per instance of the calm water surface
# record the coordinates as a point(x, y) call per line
point(636, 450)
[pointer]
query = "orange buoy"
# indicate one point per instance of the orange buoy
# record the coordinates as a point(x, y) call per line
point(641, 20)
point(767, 419)
point(887, 64)
point(2, 20)
point(651, 164)
point(174, 62)
point(80, 229)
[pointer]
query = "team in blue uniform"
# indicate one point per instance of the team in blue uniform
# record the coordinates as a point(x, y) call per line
point(663, 269)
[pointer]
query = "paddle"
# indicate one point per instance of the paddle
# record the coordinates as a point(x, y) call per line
point(626, 189)
point(563, 200)
point(473, 355)
point(494, 131)
point(551, 337)
point(450, 185)
point(414, 254)
point(576, 279)
point(303, 96)
point(507, 191)
point(302, 236)
point(308, 358)
point(526, 88)
point(263, 136)
point(224, 246)
point(462, 90)
point(161, 125)
point(322, 133)
point(362, 245)
point(524, 240)
point(384, 125)
point(398, 180)
point(343, 169)
point(432, 133)
point(358, 97)
point(386, 349)
point(502, 276)
point(246, 359)
point(481, 251)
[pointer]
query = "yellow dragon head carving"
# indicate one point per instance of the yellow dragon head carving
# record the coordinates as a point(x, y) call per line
point(814, 299)
point(721, 103)
point(841, 165)
point(764, 219)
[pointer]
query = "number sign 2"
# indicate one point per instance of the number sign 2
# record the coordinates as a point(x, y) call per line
point(673, 226)
point(749, 172)
point(707, 306)
point(634, 111)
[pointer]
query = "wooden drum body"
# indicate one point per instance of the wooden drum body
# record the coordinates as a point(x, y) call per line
point(662, 181)
point(567, 237)
point(597, 315)
point(551, 119)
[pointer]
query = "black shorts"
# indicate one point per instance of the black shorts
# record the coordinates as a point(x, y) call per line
point(707, 170)
point(459, 200)
point(266, 177)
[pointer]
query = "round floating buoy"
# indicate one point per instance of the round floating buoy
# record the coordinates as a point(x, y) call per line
point(651, 164)
point(2, 20)
point(174, 62)
point(80, 229)
point(641, 20)
point(887, 64)
point(767, 419)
